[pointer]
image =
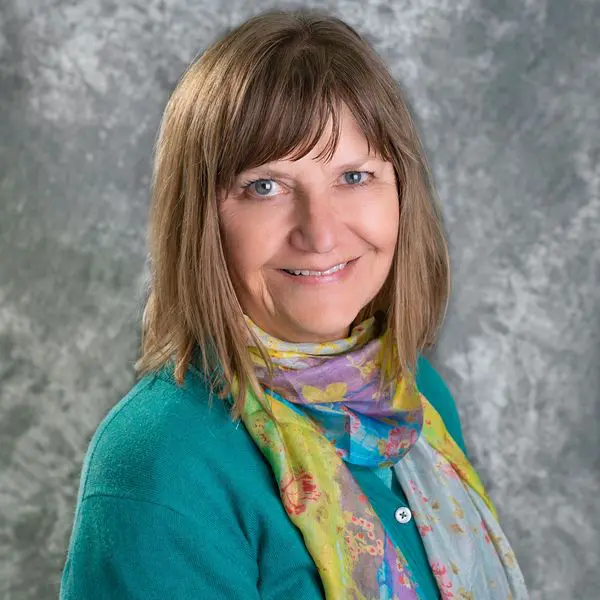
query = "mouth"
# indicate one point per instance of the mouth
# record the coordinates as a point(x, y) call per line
point(312, 273)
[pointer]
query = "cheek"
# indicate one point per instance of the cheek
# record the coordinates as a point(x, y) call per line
point(380, 221)
point(249, 243)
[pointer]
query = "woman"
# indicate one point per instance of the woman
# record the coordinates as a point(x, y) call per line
point(287, 438)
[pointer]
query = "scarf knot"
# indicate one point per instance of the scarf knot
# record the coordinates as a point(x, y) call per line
point(338, 387)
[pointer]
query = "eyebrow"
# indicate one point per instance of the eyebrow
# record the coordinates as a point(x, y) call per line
point(271, 170)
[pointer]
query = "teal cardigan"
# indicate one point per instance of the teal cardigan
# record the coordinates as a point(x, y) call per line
point(176, 501)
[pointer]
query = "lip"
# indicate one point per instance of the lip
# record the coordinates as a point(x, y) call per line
point(336, 277)
point(322, 269)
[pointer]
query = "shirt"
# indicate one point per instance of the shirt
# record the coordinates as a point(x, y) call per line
point(176, 501)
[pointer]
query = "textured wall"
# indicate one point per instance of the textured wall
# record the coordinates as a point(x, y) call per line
point(506, 94)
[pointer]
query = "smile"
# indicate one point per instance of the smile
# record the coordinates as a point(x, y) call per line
point(310, 273)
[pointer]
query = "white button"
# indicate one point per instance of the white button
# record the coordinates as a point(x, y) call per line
point(403, 515)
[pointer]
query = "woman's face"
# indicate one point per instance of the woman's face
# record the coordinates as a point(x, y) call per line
point(310, 243)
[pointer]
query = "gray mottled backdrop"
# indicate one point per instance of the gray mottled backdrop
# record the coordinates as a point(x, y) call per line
point(507, 97)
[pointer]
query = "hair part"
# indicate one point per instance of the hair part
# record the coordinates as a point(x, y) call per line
point(266, 91)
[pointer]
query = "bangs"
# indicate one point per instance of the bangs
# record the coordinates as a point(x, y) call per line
point(286, 103)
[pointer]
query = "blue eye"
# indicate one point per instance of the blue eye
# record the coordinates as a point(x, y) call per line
point(261, 187)
point(355, 177)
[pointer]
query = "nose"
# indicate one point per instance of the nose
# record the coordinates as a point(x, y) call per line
point(318, 223)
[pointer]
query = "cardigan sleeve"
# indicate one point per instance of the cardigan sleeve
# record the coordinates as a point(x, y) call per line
point(127, 549)
point(432, 386)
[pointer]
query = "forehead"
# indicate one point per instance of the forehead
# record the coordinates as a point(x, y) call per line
point(351, 139)
point(351, 146)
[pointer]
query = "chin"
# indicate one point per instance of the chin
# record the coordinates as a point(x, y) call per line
point(323, 325)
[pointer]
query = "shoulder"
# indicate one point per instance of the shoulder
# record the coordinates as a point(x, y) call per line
point(174, 498)
point(433, 387)
point(165, 443)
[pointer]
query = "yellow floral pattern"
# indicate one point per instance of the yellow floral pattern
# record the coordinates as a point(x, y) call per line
point(321, 398)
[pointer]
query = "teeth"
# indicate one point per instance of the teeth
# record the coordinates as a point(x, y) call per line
point(317, 273)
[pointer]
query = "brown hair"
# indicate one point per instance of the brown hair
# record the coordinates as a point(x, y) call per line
point(265, 91)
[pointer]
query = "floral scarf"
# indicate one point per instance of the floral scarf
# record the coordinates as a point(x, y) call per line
point(326, 409)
